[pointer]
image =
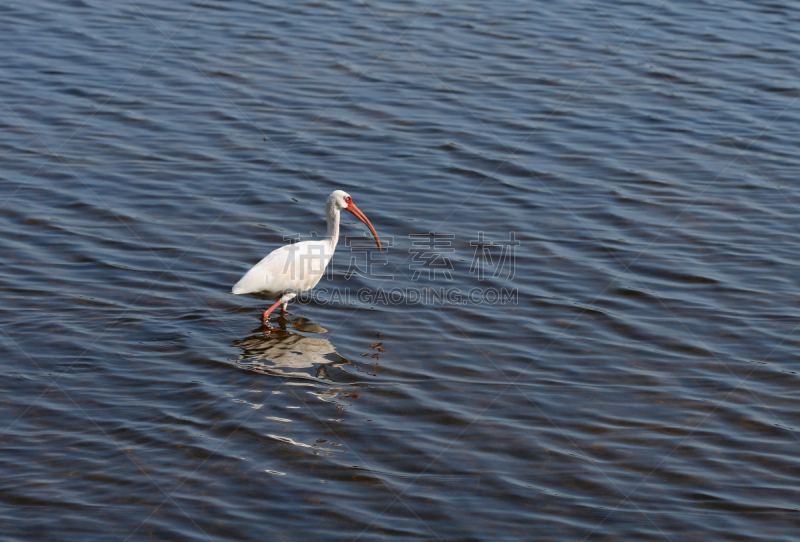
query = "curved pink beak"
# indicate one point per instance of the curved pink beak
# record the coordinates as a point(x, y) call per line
point(363, 218)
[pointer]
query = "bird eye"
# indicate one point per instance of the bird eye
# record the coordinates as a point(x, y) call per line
point(347, 199)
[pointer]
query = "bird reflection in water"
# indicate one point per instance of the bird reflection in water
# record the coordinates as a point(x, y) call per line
point(290, 354)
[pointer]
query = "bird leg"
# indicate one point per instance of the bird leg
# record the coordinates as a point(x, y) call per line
point(267, 312)
point(284, 310)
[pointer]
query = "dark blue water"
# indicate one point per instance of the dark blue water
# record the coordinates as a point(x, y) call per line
point(585, 325)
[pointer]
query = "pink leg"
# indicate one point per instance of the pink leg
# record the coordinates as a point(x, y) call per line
point(267, 312)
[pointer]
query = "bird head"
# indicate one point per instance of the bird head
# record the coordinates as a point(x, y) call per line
point(339, 200)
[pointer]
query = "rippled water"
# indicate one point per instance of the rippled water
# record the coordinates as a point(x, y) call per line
point(620, 364)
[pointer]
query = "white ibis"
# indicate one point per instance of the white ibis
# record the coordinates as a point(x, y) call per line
point(293, 269)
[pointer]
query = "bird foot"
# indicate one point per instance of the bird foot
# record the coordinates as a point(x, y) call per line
point(270, 331)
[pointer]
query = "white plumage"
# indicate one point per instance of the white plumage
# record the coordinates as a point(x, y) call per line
point(293, 269)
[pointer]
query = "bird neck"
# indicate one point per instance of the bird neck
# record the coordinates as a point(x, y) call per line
point(333, 227)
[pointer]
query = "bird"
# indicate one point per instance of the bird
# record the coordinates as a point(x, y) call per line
point(296, 268)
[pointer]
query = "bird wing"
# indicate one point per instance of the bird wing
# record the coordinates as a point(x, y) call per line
point(291, 268)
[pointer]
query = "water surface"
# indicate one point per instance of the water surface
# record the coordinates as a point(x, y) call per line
point(584, 326)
